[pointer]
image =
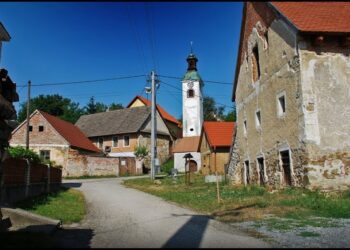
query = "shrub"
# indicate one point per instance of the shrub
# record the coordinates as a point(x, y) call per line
point(141, 151)
point(23, 153)
point(168, 166)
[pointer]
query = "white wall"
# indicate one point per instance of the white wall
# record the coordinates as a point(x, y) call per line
point(179, 161)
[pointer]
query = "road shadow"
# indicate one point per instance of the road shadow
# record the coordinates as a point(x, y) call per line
point(190, 234)
point(72, 184)
point(45, 236)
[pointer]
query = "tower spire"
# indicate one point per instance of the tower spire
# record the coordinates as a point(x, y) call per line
point(192, 60)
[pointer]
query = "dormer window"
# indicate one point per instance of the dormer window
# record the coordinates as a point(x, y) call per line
point(190, 93)
point(255, 64)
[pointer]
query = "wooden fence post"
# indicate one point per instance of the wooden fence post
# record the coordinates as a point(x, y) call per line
point(48, 178)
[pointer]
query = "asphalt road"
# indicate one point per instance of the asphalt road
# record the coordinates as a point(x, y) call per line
point(123, 217)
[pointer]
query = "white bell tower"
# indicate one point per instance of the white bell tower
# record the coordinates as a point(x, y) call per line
point(192, 99)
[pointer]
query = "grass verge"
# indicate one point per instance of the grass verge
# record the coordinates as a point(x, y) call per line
point(298, 207)
point(67, 205)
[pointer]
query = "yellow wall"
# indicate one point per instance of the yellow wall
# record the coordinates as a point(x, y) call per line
point(137, 103)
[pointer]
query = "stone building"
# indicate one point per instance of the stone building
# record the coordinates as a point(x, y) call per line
point(192, 110)
point(118, 132)
point(292, 95)
point(58, 141)
point(214, 146)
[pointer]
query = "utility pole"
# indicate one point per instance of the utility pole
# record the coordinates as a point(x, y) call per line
point(153, 126)
point(28, 104)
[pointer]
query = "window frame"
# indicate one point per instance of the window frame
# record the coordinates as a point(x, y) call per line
point(39, 128)
point(280, 113)
point(113, 144)
point(99, 144)
point(43, 152)
point(128, 141)
point(192, 93)
point(258, 119)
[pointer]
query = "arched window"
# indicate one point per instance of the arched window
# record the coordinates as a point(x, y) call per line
point(255, 64)
point(190, 93)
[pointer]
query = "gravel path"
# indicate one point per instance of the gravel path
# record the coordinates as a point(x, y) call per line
point(321, 237)
point(123, 217)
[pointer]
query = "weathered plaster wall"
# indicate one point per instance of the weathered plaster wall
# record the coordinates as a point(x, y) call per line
point(279, 66)
point(325, 76)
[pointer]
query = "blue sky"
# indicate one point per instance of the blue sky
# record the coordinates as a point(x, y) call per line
point(63, 42)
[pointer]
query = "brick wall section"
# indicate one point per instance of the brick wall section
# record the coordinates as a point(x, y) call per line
point(85, 165)
point(48, 136)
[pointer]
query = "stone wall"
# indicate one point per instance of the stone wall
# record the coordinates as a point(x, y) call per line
point(79, 164)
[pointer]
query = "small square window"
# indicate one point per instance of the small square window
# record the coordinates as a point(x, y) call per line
point(30, 128)
point(41, 128)
point(190, 93)
point(126, 141)
point(115, 142)
point(258, 119)
point(45, 155)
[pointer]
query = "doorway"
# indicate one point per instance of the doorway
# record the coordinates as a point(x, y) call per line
point(285, 160)
point(247, 174)
point(261, 166)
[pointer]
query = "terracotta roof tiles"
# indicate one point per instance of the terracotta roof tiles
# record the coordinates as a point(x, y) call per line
point(219, 134)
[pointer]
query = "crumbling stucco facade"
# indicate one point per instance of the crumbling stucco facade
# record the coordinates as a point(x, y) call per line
point(292, 103)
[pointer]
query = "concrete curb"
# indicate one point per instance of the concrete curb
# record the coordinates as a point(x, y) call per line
point(27, 221)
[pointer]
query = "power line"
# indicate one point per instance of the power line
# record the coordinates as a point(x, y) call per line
point(180, 78)
point(170, 85)
point(85, 81)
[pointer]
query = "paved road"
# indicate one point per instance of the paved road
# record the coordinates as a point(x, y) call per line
point(123, 217)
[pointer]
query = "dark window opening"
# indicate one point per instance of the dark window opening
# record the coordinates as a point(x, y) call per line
point(41, 128)
point(100, 142)
point(261, 170)
point(255, 64)
point(285, 158)
point(191, 129)
point(258, 119)
point(245, 126)
point(247, 175)
point(45, 155)
point(282, 103)
point(126, 141)
point(30, 128)
point(190, 93)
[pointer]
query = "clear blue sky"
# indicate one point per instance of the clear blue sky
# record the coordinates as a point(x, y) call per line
point(63, 42)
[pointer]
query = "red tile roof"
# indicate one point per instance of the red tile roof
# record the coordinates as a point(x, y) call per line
point(162, 111)
point(219, 134)
point(71, 133)
point(317, 16)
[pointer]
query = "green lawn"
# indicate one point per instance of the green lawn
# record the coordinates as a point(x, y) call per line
point(67, 205)
point(299, 207)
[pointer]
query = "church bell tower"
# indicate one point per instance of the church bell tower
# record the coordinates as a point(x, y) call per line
point(192, 99)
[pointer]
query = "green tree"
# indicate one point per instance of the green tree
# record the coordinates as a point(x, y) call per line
point(211, 111)
point(231, 115)
point(94, 107)
point(115, 106)
point(55, 105)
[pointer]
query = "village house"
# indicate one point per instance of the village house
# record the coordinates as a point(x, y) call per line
point(291, 90)
point(117, 133)
point(64, 144)
point(172, 123)
point(214, 146)
point(192, 110)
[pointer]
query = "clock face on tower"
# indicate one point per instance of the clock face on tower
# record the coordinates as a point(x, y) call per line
point(190, 85)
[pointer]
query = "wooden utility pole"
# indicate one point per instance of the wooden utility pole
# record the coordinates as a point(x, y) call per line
point(28, 110)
